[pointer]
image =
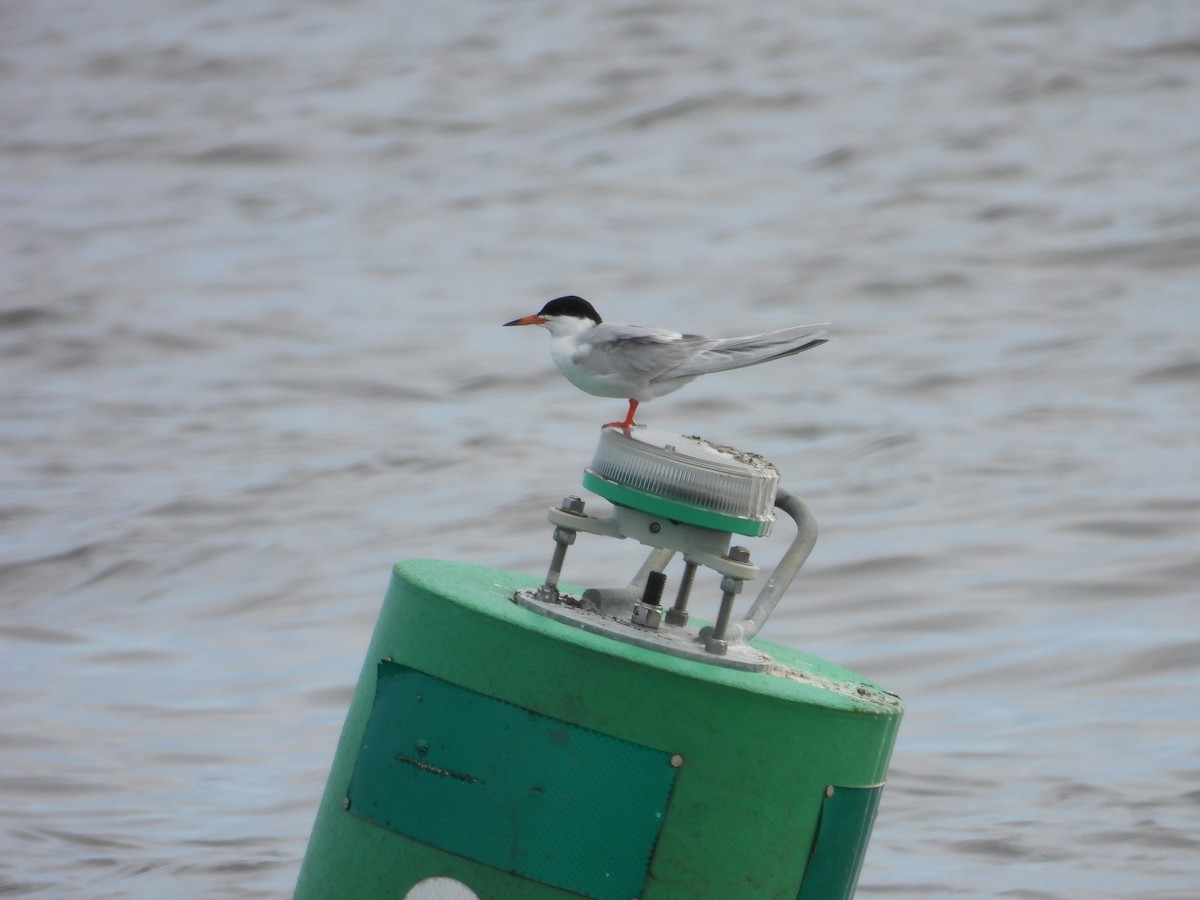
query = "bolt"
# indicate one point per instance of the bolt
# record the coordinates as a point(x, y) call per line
point(345, 803)
point(676, 760)
point(677, 614)
point(573, 505)
point(655, 528)
point(648, 612)
point(738, 554)
point(652, 595)
point(563, 538)
point(556, 564)
point(730, 588)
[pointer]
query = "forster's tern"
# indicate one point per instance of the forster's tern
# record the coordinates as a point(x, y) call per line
point(639, 364)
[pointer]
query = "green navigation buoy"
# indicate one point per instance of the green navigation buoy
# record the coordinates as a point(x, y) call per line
point(512, 738)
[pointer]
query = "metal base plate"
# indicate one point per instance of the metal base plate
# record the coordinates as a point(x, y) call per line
point(677, 640)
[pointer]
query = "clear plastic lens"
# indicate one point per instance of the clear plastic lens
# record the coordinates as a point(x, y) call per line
point(689, 470)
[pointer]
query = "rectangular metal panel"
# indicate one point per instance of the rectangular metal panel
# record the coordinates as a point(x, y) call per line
point(847, 815)
point(505, 786)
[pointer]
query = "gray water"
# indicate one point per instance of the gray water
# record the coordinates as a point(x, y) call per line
point(253, 260)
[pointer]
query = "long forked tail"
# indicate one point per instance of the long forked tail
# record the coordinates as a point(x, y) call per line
point(737, 352)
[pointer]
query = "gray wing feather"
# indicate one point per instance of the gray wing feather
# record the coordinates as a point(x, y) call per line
point(734, 353)
point(622, 349)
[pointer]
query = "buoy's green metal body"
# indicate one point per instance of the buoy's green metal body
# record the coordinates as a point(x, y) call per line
point(529, 759)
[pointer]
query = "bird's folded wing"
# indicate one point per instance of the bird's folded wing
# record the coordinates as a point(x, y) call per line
point(734, 353)
point(629, 350)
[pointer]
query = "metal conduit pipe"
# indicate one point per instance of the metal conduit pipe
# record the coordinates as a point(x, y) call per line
point(795, 557)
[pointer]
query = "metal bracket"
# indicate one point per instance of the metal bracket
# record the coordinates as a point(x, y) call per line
point(614, 611)
point(701, 545)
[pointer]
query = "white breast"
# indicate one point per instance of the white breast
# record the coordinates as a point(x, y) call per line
point(571, 359)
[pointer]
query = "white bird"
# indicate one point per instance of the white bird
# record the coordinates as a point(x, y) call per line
point(638, 363)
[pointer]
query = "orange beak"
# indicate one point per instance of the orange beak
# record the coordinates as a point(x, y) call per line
point(527, 320)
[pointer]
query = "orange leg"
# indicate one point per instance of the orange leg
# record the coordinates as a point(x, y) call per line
point(628, 423)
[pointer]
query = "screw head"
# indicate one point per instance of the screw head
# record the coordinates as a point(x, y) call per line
point(572, 504)
point(676, 760)
point(738, 554)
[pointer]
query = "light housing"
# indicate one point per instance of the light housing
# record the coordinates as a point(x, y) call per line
point(685, 479)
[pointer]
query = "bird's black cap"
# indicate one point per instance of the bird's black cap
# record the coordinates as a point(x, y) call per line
point(570, 306)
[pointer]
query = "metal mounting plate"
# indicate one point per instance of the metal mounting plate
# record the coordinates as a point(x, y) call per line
point(677, 640)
